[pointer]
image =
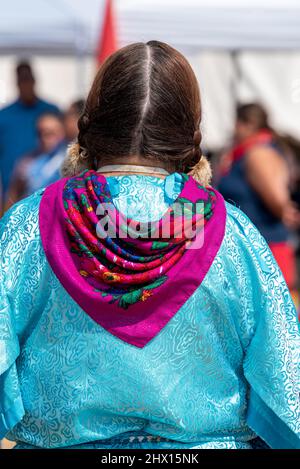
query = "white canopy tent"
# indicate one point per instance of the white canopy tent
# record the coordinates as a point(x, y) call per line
point(39, 26)
point(218, 24)
point(63, 26)
point(246, 50)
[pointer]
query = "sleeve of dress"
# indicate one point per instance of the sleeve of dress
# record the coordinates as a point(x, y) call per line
point(11, 405)
point(272, 355)
point(19, 249)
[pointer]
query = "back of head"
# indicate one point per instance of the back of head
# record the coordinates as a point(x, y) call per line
point(24, 72)
point(25, 82)
point(144, 102)
point(253, 114)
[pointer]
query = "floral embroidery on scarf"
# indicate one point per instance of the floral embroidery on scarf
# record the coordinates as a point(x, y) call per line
point(128, 269)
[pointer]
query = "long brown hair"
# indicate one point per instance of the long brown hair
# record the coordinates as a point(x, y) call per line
point(144, 101)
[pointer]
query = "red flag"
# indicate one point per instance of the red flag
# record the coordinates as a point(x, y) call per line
point(108, 37)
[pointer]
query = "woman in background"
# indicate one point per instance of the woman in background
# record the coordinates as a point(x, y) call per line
point(254, 175)
point(138, 309)
point(24, 180)
point(42, 167)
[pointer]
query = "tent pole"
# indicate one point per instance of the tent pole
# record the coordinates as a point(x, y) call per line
point(237, 72)
point(80, 51)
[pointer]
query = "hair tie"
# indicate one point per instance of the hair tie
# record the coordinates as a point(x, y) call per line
point(83, 155)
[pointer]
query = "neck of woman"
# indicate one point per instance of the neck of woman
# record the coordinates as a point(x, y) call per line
point(136, 164)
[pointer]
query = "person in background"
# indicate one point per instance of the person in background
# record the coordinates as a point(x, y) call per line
point(18, 134)
point(254, 175)
point(47, 168)
point(71, 117)
point(42, 166)
point(294, 166)
point(28, 171)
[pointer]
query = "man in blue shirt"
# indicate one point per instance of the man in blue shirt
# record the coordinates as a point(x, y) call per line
point(18, 133)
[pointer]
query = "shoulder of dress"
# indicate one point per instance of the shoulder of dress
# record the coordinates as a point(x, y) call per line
point(23, 214)
point(239, 221)
point(251, 245)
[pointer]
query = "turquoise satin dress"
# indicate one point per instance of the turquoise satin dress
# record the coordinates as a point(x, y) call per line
point(222, 371)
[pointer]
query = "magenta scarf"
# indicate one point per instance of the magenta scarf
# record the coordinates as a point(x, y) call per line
point(130, 277)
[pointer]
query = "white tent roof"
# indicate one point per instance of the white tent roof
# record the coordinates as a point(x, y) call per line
point(221, 24)
point(65, 26)
point(38, 25)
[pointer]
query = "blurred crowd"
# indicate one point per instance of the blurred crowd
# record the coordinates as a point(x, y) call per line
point(34, 135)
point(259, 171)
